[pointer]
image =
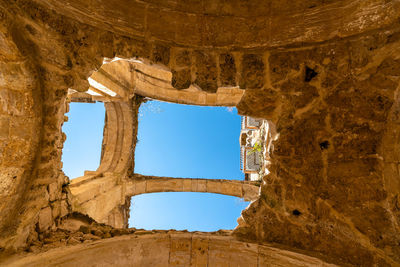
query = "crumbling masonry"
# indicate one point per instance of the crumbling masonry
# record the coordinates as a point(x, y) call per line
point(324, 73)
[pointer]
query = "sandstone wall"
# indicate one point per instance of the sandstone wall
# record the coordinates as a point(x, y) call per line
point(326, 73)
point(169, 249)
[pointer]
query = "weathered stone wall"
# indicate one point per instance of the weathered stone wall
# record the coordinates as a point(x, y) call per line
point(332, 173)
point(145, 248)
point(155, 81)
point(324, 72)
point(31, 115)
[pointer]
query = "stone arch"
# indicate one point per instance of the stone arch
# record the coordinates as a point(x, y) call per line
point(278, 23)
point(119, 137)
point(243, 55)
point(172, 249)
point(99, 196)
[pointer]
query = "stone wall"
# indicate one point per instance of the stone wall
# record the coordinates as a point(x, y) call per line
point(332, 175)
point(169, 249)
point(326, 73)
point(147, 79)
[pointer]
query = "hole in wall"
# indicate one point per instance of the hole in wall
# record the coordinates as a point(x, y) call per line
point(310, 74)
point(185, 211)
point(84, 131)
point(186, 141)
point(324, 145)
point(296, 212)
point(203, 145)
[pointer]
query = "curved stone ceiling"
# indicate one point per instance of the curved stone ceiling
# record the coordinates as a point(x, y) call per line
point(219, 23)
point(172, 248)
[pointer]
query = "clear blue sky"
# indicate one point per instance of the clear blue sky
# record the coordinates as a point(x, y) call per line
point(174, 140)
point(84, 131)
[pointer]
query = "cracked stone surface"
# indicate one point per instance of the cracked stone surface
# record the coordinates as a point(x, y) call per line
point(325, 73)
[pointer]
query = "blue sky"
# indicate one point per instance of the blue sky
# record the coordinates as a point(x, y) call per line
point(174, 140)
point(84, 131)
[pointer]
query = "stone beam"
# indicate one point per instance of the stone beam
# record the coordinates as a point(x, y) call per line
point(154, 184)
point(105, 79)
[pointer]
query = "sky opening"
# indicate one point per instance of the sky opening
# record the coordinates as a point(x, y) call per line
point(187, 141)
point(190, 211)
point(84, 130)
point(174, 140)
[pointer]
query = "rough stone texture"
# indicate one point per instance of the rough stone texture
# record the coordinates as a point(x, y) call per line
point(326, 73)
point(125, 78)
point(206, 71)
point(330, 167)
point(227, 70)
point(172, 249)
point(252, 76)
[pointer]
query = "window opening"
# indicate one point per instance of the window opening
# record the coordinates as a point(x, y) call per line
point(185, 211)
point(173, 140)
point(84, 131)
point(188, 141)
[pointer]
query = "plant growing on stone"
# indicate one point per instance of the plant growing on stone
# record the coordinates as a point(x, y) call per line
point(257, 147)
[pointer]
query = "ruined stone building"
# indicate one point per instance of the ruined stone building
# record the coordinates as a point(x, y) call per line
point(323, 73)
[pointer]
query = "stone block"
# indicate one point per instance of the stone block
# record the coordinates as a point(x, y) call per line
point(56, 209)
point(227, 70)
point(160, 185)
point(201, 186)
point(244, 254)
point(64, 208)
point(180, 251)
point(217, 254)
point(181, 79)
point(45, 219)
point(148, 247)
point(214, 187)
point(4, 127)
point(250, 192)
point(199, 252)
point(187, 185)
point(211, 99)
point(54, 191)
point(253, 73)
point(140, 187)
point(232, 189)
point(160, 53)
point(129, 188)
point(206, 71)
